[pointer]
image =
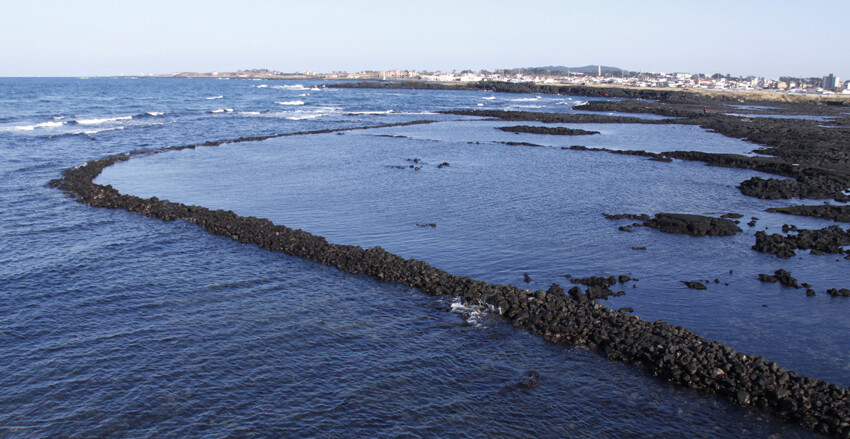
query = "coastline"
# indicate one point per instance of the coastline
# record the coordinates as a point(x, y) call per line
point(670, 352)
point(608, 90)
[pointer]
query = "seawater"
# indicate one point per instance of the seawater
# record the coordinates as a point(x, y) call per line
point(113, 324)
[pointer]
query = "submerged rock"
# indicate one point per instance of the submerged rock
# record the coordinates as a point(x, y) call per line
point(835, 292)
point(694, 285)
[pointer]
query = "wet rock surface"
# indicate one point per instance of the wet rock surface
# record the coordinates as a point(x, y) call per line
point(599, 287)
point(819, 241)
point(683, 223)
point(631, 216)
point(694, 285)
point(835, 292)
point(558, 131)
point(781, 276)
point(522, 144)
point(670, 352)
point(694, 225)
point(835, 213)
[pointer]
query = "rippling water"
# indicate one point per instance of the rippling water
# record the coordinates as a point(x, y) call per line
point(113, 324)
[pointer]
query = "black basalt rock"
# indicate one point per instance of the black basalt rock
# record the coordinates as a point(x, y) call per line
point(694, 225)
point(694, 285)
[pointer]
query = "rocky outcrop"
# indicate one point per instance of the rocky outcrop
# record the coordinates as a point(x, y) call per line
point(835, 213)
point(694, 225)
point(835, 292)
point(781, 276)
point(557, 131)
point(819, 241)
point(688, 224)
point(694, 285)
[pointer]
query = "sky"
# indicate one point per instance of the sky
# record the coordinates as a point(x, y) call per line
point(741, 38)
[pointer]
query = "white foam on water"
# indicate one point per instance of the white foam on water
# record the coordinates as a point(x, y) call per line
point(261, 86)
point(214, 97)
point(155, 113)
point(289, 87)
point(58, 117)
point(489, 98)
point(103, 120)
point(250, 113)
point(371, 112)
point(90, 132)
point(306, 116)
point(525, 99)
point(473, 314)
point(33, 126)
point(290, 103)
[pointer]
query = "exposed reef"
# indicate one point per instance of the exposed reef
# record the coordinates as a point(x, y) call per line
point(694, 285)
point(558, 131)
point(694, 225)
point(530, 116)
point(835, 213)
point(683, 223)
point(781, 276)
point(600, 287)
point(669, 352)
point(816, 161)
point(817, 158)
point(819, 241)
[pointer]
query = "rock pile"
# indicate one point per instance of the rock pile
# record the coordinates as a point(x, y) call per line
point(780, 276)
point(819, 241)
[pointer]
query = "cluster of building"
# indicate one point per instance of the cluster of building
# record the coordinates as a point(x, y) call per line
point(825, 85)
point(829, 84)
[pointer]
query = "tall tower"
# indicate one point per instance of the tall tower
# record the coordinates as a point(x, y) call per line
point(599, 70)
point(829, 82)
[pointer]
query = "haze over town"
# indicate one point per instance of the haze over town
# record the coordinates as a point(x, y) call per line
point(96, 37)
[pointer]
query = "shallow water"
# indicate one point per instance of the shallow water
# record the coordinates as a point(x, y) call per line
point(118, 325)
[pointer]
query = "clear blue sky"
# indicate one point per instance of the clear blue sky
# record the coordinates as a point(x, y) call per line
point(94, 37)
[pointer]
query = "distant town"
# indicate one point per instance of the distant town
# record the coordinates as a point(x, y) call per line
point(587, 75)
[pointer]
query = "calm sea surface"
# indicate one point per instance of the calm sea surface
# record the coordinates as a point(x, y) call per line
point(113, 324)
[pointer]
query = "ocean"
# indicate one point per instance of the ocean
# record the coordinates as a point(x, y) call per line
point(114, 324)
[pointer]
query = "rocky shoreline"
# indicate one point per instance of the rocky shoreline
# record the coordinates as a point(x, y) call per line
point(815, 160)
point(669, 352)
